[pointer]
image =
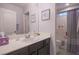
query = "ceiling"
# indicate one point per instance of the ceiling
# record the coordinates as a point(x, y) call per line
point(22, 5)
point(63, 5)
point(58, 5)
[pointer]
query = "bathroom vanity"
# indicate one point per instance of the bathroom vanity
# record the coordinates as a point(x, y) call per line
point(38, 45)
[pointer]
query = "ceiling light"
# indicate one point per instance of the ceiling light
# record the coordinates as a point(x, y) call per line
point(67, 4)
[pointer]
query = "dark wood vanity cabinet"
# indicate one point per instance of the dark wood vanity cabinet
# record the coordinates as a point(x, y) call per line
point(35, 47)
point(39, 48)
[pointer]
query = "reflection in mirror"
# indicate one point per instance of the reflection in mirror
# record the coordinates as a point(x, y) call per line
point(7, 21)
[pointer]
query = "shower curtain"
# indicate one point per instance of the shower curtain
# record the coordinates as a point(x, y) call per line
point(72, 31)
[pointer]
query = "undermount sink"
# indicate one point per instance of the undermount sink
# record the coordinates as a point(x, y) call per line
point(34, 34)
point(29, 37)
point(24, 37)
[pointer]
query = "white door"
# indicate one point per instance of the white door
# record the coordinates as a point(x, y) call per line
point(7, 21)
point(26, 23)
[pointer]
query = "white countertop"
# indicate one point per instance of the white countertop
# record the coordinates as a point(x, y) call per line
point(22, 42)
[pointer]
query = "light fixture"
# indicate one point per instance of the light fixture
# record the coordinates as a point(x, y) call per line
point(67, 4)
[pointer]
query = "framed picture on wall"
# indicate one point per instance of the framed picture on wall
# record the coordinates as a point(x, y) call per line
point(45, 15)
point(33, 18)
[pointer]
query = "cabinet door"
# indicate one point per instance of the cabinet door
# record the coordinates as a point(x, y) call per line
point(33, 48)
point(47, 42)
point(23, 51)
point(44, 51)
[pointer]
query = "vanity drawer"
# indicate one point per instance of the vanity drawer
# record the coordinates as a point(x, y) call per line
point(34, 47)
